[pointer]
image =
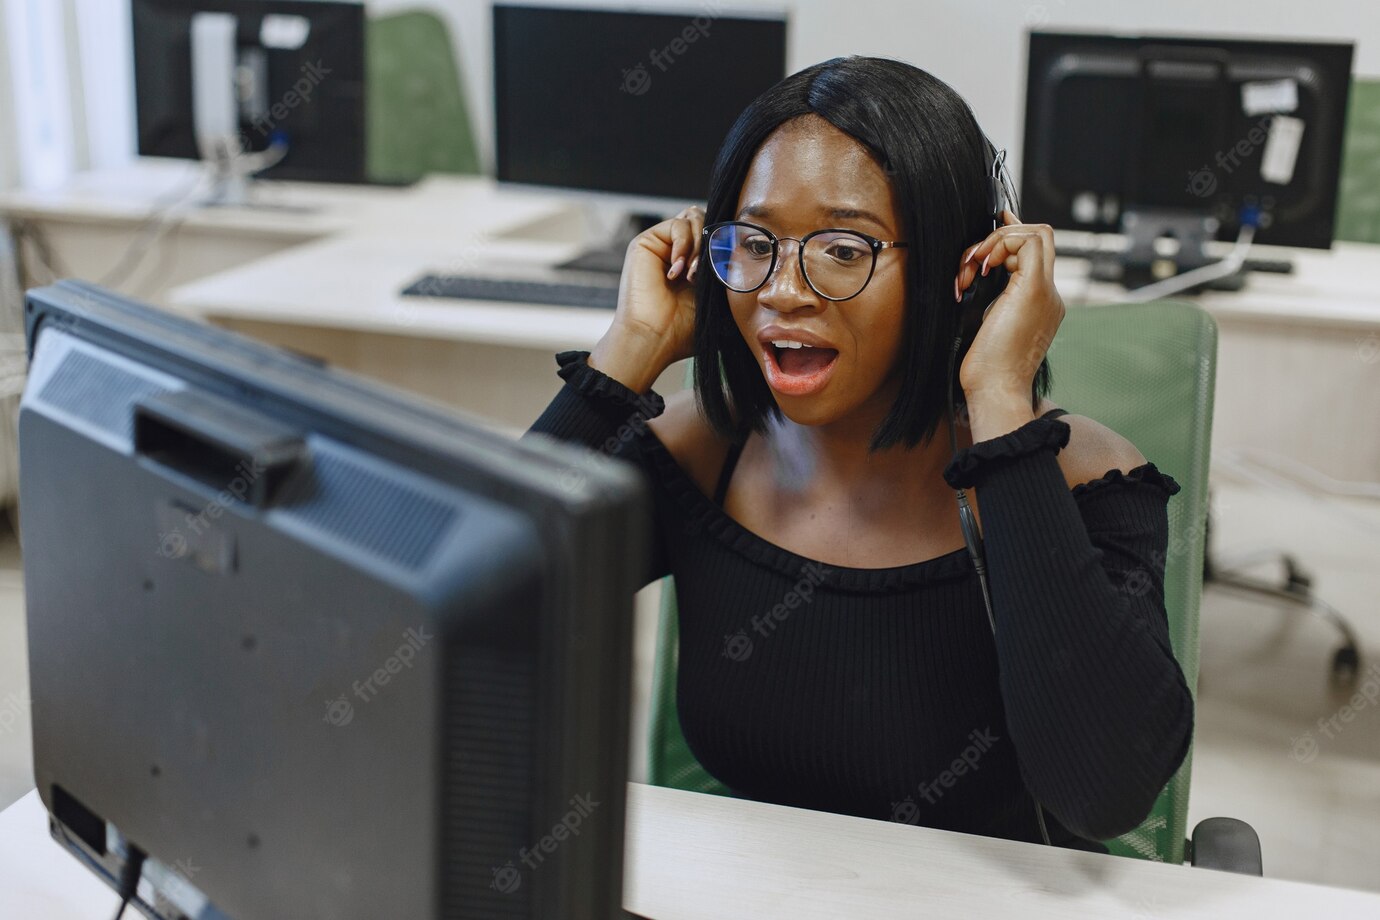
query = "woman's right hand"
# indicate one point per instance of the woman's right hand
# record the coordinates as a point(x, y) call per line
point(654, 323)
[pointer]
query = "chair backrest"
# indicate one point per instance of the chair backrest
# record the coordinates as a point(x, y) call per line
point(1147, 371)
point(1358, 204)
point(669, 760)
point(416, 121)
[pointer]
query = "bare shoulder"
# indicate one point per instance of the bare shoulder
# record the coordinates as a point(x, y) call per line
point(689, 439)
point(1093, 450)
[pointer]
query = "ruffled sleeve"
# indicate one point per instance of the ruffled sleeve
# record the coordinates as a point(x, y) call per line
point(1096, 702)
point(970, 464)
point(598, 412)
point(610, 398)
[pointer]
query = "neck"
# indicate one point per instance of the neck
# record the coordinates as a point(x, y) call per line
point(837, 452)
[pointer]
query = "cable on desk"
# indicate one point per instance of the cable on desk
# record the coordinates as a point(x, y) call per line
point(1233, 263)
point(163, 217)
point(129, 878)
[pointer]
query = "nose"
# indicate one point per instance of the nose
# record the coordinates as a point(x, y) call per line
point(786, 289)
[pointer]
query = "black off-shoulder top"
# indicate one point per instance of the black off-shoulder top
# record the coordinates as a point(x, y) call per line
point(882, 692)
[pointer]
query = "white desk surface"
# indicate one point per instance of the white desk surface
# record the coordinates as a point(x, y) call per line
point(293, 210)
point(703, 857)
point(1339, 287)
point(372, 240)
point(353, 282)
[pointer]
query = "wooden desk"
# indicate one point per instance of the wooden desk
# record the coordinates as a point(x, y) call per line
point(701, 857)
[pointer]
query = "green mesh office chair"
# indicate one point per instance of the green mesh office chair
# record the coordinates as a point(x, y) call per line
point(1358, 201)
point(416, 121)
point(1146, 371)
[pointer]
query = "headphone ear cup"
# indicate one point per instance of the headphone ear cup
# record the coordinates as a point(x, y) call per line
point(979, 296)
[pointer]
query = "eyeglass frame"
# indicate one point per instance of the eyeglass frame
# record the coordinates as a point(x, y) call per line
point(873, 243)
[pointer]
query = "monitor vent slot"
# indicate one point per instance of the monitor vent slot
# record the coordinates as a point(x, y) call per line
point(97, 392)
point(366, 509)
point(487, 773)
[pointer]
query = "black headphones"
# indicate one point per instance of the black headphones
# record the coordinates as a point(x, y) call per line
point(979, 296)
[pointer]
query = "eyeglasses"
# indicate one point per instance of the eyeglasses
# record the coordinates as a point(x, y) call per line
point(837, 264)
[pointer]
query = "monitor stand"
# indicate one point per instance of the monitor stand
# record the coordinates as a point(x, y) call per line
point(608, 257)
point(1142, 263)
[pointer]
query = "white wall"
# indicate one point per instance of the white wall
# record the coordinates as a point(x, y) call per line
point(977, 46)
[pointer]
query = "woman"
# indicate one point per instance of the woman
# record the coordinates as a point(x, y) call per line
point(835, 649)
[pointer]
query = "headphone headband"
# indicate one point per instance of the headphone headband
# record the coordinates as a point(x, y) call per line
point(998, 189)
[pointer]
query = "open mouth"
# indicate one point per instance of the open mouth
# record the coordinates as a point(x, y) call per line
point(799, 371)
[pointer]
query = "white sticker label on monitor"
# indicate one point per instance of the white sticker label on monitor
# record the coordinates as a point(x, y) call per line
point(1281, 149)
point(284, 32)
point(1264, 96)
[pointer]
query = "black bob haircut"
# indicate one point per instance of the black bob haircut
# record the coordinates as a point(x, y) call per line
point(925, 136)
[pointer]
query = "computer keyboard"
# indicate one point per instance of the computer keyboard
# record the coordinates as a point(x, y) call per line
point(550, 293)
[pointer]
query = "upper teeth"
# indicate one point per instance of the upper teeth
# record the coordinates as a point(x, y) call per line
point(789, 343)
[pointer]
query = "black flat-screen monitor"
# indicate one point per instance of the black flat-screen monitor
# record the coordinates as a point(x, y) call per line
point(1205, 125)
point(316, 648)
point(299, 80)
point(636, 103)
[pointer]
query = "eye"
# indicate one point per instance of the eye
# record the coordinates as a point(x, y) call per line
point(758, 246)
point(846, 250)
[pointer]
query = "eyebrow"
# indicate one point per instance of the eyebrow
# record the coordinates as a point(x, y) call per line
point(842, 213)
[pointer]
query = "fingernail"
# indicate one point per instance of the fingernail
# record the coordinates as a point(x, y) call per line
point(984, 264)
point(958, 298)
point(675, 267)
point(694, 264)
point(969, 257)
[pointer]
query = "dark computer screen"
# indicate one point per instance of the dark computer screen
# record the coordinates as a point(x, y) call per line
point(314, 647)
point(309, 95)
point(636, 103)
point(1194, 124)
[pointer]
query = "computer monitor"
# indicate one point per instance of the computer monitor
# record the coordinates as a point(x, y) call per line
point(281, 75)
point(1218, 128)
point(317, 648)
point(632, 103)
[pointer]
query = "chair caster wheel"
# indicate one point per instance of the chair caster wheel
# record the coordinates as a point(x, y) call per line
point(1346, 665)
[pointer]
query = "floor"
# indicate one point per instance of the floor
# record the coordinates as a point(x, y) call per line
point(1275, 745)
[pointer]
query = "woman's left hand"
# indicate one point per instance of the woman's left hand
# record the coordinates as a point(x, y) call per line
point(1019, 326)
